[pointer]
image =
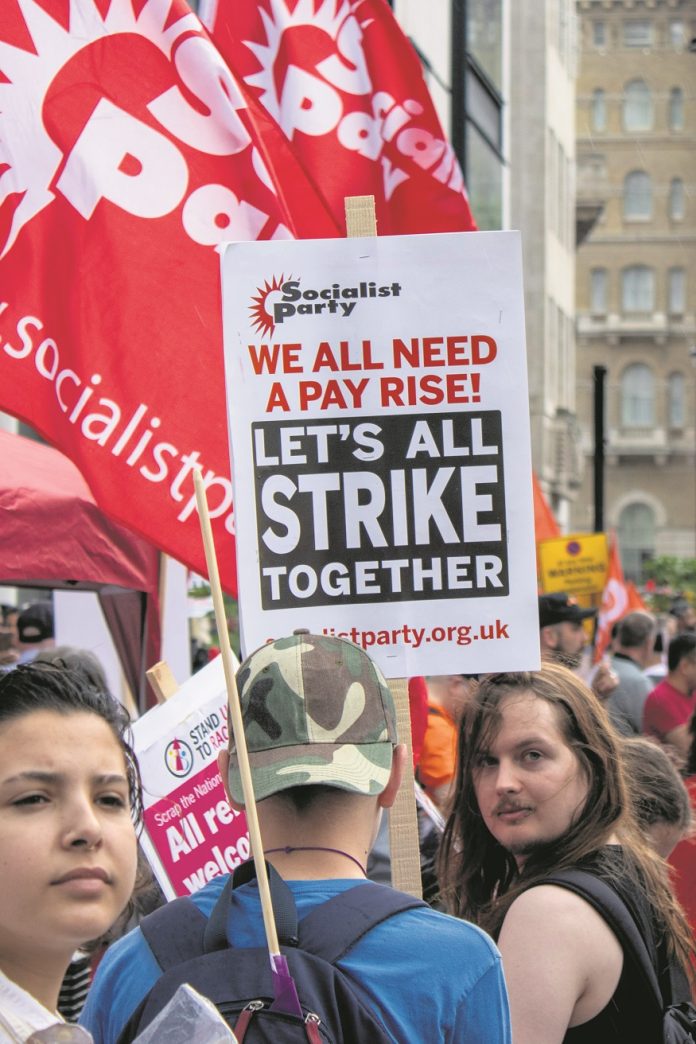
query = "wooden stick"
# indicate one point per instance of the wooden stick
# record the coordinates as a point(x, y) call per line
point(404, 843)
point(163, 682)
point(361, 219)
point(236, 719)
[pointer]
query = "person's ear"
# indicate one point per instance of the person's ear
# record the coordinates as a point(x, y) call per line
point(549, 637)
point(388, 796)
point(223, 760)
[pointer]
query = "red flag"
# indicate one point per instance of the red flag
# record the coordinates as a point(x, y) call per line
point(545, 525)
point(346, 89)
point(617, 600)
point(128, 152)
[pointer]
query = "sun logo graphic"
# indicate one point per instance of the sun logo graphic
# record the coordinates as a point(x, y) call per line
point(76, 124)
point(319, 109)
point(30, 155)
point(178, 757)
point(261, 311)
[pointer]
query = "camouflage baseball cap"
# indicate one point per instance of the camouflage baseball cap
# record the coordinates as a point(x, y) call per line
point(316, 710)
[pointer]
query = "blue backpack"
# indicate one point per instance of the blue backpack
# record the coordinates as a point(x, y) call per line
point(191, 948)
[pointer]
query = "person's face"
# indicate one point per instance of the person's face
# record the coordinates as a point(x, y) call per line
point(529, 784)
point(571, 642)
point(67, 843)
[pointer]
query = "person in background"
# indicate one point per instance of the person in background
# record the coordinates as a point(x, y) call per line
point(633, 647)
point(682, 859)
point(563, 640)
point(69, 798)
point(74, 659)
point(561, 630)
point(669, 706)
point(541, 787)
point(9, 652)
point(448, 695)
point(685, 615)
point(660, 798)
point(34, 630)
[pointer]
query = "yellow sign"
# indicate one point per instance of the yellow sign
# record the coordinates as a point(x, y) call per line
point(576, 563)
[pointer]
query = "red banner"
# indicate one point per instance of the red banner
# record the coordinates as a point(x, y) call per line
point(346, 88)
point(128, 152)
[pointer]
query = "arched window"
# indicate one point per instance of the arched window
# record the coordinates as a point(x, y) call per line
point(637, 289)
point(637, 195)
point(599, 110)
point(676, 405)
point(636, 539)
point(676, 109)
point(637, 397)
point(637, 106)
point(676, 199)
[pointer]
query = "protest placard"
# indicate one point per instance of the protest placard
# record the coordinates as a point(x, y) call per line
point(191, 834)
point(576, 563)
point(379, 427)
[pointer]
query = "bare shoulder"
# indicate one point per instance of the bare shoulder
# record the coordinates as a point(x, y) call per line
point(556, 910)
point(562, 963)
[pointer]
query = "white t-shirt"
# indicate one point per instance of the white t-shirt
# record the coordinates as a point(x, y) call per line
point(21, 1014)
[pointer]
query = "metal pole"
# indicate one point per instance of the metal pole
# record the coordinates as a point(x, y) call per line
point(599, 374)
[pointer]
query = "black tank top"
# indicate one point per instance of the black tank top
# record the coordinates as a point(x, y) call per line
point(631, 1014)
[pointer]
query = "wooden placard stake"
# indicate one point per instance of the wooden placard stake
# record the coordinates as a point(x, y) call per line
point(404, 843)
point(162, 681)
point(236, 719)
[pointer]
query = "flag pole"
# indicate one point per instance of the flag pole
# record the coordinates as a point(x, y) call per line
point(286, 995)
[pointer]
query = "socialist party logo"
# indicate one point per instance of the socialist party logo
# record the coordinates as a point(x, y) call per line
point(280, 299)
point(178, 757)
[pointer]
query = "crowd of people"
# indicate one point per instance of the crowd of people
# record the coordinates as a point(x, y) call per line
point(542, 788)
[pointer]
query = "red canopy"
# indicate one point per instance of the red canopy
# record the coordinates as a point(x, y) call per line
point(52, 534)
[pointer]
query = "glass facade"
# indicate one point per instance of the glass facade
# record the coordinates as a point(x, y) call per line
point(477, 104)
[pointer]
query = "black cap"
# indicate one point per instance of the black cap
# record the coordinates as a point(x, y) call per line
point(557, 607)
point(35, 623)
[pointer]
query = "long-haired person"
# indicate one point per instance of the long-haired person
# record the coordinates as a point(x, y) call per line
point(540, 788)
point(69, 799)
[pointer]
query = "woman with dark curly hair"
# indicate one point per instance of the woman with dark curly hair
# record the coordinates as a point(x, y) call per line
point(70, 797)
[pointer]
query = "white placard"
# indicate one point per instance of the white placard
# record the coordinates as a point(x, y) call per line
point(379, 429)
point(190, 832)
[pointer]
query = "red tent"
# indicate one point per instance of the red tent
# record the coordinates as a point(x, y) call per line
point(53, 535)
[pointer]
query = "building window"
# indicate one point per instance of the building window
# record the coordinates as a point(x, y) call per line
point(637, 197)
point(636, 539)
point(637, 289)
point(676, 291)
point(677, 36)
point(637, 33)
point(599, 34)
point(637, 397)
point(676, 405)
point(637, 106)
point(676, 109)
point(676, 199)
point(598, 291)
point(599, 110)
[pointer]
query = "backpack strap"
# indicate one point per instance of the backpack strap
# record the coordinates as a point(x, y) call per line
point(333, 927)
point(174, 932)
point(617, 915)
